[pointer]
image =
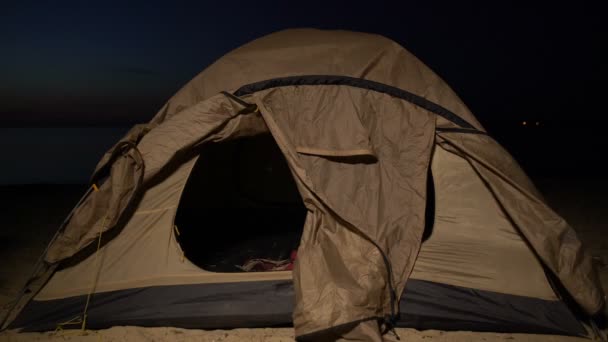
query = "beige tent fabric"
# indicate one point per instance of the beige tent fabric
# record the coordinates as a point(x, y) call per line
point(473, 243)
point(213, 120)
point(102, 209)
point(372, 205)
point(552, 238)
point(145, 253)
point(133, 137)
point(164, 149)
point(128, 256)
point(167, 144)
point(317, 52)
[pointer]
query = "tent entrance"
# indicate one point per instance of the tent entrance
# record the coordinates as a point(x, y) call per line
point(240, 203)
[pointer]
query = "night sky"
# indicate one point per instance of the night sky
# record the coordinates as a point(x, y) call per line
point(68, 67)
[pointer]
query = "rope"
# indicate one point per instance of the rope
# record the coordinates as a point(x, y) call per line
point(94, 284)
point(75, 320)
point(82, 319)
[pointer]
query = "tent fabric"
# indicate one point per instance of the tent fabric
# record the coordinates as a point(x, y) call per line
point(461, 252)
point(550, 236)
point(425, 305)
point(299, 52)
point(102, 209)
point(359, 120)
point(352, 202)
point(208, 121)
point(472, 237)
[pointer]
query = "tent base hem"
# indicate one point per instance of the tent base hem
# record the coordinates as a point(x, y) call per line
point(424, 305)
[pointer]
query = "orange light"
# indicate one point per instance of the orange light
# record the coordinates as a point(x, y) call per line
point(524, 123)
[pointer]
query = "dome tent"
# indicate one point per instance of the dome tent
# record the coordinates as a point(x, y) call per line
point(372, 139)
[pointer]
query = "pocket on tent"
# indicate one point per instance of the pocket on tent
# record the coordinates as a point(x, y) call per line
point(335, 143)
point(336, 134)
point(360, 155)
point(329, 121)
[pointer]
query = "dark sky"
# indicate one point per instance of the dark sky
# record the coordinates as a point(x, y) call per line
point(74, 63)
point(84, 63)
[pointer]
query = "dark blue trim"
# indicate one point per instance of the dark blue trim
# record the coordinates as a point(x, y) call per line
point(358, 83)
point(424, 305)
point(460, 130)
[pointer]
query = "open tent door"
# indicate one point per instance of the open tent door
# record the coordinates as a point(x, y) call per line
point(240, 203)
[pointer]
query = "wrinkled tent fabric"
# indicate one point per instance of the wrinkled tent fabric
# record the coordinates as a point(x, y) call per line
point(360, 204)
point(555, 242)
point(357, 118)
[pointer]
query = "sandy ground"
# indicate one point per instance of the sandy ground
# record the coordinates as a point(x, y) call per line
point(31, 215)
point(136, 334)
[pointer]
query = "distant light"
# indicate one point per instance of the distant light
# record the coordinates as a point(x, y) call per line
point(524, 123)
point(537, 123)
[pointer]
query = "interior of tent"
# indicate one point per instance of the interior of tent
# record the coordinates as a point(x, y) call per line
point(239, 204)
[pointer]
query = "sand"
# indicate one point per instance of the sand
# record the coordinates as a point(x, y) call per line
point(34, 213)
point(136, 334)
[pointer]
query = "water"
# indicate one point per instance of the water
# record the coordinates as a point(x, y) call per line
point(53, 155)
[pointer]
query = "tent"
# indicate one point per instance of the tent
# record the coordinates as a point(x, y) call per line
point(342, 146)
